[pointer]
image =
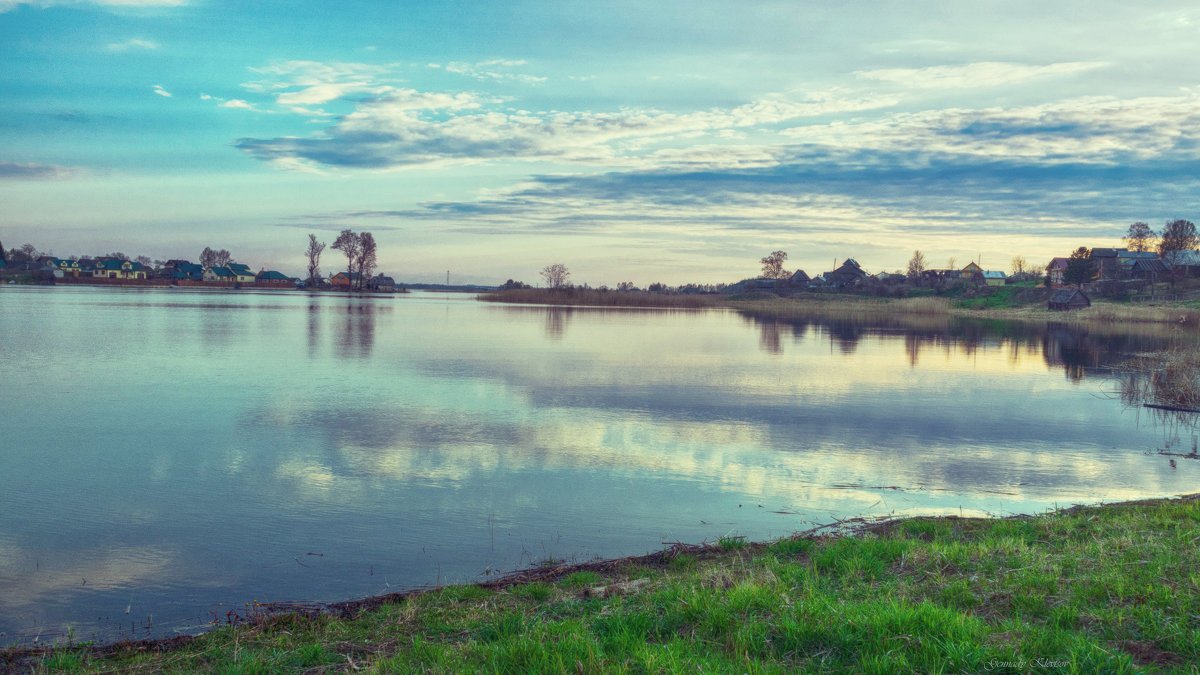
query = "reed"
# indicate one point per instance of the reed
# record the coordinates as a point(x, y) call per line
point(588, 297)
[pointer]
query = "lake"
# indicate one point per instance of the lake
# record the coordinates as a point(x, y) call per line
point(168, 456)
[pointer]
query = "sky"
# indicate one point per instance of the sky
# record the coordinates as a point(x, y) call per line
point(672, 142)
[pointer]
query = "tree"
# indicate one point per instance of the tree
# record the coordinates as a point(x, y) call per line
point(1080, 267)
point(1177, 236)
point(916, 265)
point(1139, 237)
point(366, 257)
point(555, 275)
point(3, 257)
point(211, 258)
point(314, 259)
point(1019, 265)
point(349, 244)
point(144, 261)
point(773, 266)
point(625, 286)
point(950, 263)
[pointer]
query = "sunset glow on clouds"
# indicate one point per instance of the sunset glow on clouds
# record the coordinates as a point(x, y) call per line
point(677, 143)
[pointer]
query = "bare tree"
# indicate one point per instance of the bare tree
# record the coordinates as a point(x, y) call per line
point(1139, 237)
point(772, 265)
point(916, 266)
point(625, 286)
point(211, 258)
point(350, 244)
point(950, 264)
point(314, 258)
point(1177, 236)
point(366, 257)
point(556, 275)
point(1019, 265)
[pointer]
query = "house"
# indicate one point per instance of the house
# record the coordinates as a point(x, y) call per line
point(344, 280)
point(274, 279)
point(971, 272)
point(219, 275)
point(798, 278)
point(849, 274)
point(1108, 264)
point(1151, 268)
point(241, 273)
point(993, 277)
point(113, 268)
point(1057, 270)
point(1067, 299)
point(382, 283)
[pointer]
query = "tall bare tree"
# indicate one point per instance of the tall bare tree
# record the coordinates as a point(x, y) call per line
point(314, 258)
point(211, 258)
point(349, 244)
point(772, 265)
point(1019, 265)
point(916, 265)
point(1139, 237)
point(556, 275)
point(366, 258)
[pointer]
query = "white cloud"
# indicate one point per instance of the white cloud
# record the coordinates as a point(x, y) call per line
point(132, 43)
point(237, 103)
point(8, 5)
point(491, 70)
point(973, 75)
point(158, 89)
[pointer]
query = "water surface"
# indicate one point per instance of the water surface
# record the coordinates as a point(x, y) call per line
point(168, 456)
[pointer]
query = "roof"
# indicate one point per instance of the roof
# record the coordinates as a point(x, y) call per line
point(272, 274)
point(1066, 295)
point(385, 280)
point(239, 268)
point(1057, 263)
point(222, 271)
point(993, 274)
point(1136, 255)
point(1105, 252)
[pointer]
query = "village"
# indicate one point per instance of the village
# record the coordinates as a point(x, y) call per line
point(116, 271)
point(1132, 273)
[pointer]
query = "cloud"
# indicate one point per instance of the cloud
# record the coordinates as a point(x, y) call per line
point(405, 127)
point(161, 92)
point(132, 43)
point(19, 171)
point(9, 5)
point(491, 70)
point(973, 75)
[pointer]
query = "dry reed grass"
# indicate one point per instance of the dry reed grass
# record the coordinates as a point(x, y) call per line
point(1168, 378)
point(597, 298)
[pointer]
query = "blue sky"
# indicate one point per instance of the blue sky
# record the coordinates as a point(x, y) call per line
point(668, 141)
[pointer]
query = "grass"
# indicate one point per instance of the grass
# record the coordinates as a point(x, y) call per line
point(1112, 589)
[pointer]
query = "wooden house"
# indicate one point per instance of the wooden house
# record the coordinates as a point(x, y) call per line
point(382, 283)
point(1067, 299)
point(971, 272)
point(274, 279)
point(849, 274)
point(241, 273)
point(1057, 270)
point(993, 277)
point(344, 280)
point(112, 268)
point(219, 275)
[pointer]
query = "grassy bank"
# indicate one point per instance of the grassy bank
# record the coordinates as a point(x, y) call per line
point(1100, 589)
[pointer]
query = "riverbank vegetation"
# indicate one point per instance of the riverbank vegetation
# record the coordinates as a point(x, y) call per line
point(1099, 589)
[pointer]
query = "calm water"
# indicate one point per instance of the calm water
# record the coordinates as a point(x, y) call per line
point(166, 456)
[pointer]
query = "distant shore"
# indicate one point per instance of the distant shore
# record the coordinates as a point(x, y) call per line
point(1011, 307)
point(1107, 588)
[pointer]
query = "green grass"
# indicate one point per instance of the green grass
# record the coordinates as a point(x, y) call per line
point(1112, 589)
